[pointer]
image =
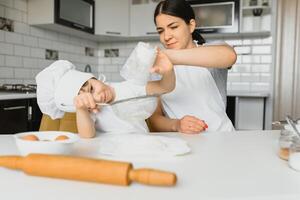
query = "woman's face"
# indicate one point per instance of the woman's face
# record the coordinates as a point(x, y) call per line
point(174, 33)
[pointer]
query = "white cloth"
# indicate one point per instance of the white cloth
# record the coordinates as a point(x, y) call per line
point(128, 116)
point(196, 94)
point(137, 67)
point(142, 146)
point(58, 84)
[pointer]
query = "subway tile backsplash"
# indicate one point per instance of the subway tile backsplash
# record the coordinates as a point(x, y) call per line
point(22, 53)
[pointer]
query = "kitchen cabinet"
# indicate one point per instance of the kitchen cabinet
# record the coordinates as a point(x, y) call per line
point(51, 14)
point(247, 112)
point(34, 115)
point(141, 18)
point(19, 115)
point(112, 17)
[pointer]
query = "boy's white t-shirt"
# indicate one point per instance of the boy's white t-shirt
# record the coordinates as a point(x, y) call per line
point(107, 121)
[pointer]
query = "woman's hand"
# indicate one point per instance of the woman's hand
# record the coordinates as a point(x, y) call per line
point(162, 64)
point(191, 125)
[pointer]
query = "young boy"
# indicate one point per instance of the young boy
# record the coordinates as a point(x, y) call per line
point(71, 87)
point(105, 120)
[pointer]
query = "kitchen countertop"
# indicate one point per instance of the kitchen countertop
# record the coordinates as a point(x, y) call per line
point(241, 165)
point(11, 95)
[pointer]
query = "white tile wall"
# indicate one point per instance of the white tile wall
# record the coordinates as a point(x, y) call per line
point(2, 60)
point(253, 65)
point(1, 36)
point(22, 52)
point(13, 61)
point(6, 72)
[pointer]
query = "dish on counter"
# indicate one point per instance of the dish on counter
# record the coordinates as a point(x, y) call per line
point(48, 142)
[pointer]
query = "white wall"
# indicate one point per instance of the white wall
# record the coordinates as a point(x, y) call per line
point(287, 73)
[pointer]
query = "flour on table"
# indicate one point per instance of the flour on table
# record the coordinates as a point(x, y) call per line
point(142, 145)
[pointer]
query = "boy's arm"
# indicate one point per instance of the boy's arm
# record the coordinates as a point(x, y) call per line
point(85, 124)
point(164, 67)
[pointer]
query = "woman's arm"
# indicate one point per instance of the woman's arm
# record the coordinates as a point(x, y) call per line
point(187, 124)
point(220, 56)
point(164, 67)
point(160, 123)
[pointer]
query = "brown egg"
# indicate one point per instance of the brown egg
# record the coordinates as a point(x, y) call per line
point(61, 137)
point(30, 138)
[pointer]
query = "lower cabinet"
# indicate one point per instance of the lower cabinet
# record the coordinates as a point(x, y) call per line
point(246, 112)
point(19, 115)
point(34, 115)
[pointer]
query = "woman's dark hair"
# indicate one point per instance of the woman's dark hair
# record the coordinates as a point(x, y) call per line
point(181, 9)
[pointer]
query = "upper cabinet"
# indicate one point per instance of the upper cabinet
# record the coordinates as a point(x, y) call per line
point(112, 17)
point(61, 15)
point(141, 18)
point(112, 20)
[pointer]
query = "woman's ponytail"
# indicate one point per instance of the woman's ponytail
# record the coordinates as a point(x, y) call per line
point(198, 37)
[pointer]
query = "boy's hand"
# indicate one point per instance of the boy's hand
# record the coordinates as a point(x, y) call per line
point(162, 63)
point(97, 92)
point(85, 101)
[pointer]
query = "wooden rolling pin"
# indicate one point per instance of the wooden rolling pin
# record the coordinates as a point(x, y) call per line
point(87, 169)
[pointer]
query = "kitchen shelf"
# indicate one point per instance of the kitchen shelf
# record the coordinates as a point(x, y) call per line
point(241, 34)
point(260, 34)
point(256, 7)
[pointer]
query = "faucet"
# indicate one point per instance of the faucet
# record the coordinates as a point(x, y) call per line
point(88, 68)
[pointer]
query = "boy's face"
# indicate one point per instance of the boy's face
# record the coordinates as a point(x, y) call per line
point(97, 88)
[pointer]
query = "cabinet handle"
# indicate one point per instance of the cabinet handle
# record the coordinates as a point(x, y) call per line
point(208, 30)
point(151, 33)
point(29, 112)
point(78, 26)
point(14, 108)
point(112, 32)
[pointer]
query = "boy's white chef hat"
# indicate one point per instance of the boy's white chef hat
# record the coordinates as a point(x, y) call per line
point(57, 85)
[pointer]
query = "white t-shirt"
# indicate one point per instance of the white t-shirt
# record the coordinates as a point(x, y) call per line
point(114, 118)
point(196, 94)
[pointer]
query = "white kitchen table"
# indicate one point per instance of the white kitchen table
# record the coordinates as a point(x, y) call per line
point(241, 165)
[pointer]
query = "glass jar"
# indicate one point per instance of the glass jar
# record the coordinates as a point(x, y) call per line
point(285, 141)
point(294, 155)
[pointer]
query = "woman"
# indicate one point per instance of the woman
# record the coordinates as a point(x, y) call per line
point(199, 98)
